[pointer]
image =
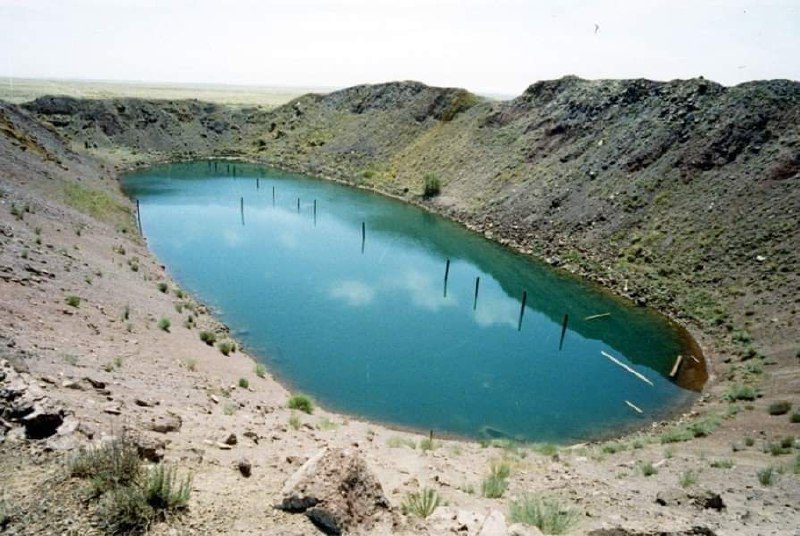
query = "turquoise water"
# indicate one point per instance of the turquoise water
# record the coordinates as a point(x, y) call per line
point(366, 327)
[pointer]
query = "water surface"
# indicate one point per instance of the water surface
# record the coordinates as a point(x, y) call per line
point(363, 322)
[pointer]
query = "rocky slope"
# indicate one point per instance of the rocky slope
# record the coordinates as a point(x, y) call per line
point(682, 195)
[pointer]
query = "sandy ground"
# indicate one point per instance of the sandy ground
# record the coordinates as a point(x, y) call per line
point(152, 374)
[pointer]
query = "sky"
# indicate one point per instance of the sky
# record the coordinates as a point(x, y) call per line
point(488, 46)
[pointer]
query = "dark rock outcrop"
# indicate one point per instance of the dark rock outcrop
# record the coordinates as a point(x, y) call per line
point(336, 490)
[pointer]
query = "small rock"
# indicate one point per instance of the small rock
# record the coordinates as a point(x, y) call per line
point(95, 383)
point(112, 409)
point(230, 439)
point(672, 497)
point(166, 423)
point(150, 448)
point(72, 384)
point(707, 499)
point(245, 467)
point(145, 403)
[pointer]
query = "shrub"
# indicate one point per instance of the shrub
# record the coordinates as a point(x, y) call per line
point(164, 324)
point(432, 186)
point(648, 469)
point(421, 504)
point(548, 514)
point(163, 491)
point(545, 449)
point(302, 402)
point(73, 301)
point(612, 447)
point(494, 485)
point(781, 407)
point(687, 478)
point(243, 383)
point(208, 337)
point(767, 476)
point(427, 444)
point(162, 287)
point(113, 464)
point(778, 448)
point(294, 421)
point(125, 511)
point(397, 442)
point(725, 463)
point(261, 370)
point(740, 392)
point(795, 418)
point(226, 347)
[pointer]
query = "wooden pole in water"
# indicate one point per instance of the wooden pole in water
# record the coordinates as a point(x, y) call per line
point(563, 331)
point(633, 406)
point(363, 235)
point(446, 276)
point(522, 309)
point(477, 286)
point(139, 216)
point(257, 185)
point(298, 205)
point(595, 317)
point(241, 208)
point(626, 367)
point(315, 212)
point(676, 366)
point(273, 196)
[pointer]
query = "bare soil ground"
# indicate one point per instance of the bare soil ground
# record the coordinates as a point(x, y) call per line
point(66, 230)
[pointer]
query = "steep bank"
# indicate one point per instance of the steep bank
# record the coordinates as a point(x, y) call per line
point(682, 195)
point(367, 127)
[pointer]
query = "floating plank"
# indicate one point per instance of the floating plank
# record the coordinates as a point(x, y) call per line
point(675, 367)
point(626, 367)
point(595, 317)
point(633, 406)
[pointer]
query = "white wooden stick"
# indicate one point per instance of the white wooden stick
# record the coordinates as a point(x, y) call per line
point(626, 367)
point(636, 408)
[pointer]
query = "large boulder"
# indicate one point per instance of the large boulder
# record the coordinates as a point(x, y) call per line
point(336, 490)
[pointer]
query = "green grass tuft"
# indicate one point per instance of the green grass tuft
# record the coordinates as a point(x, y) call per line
point(740, 392)
point(208, 337)
point(432, 186)
point(164, 324)
point(494, 485)
point(72, 300)
point(767, 476)
point(781, 407)
point(302, 403)
point(648, 469)
point(421, 504)
point(687, 478)
point(547, 514)
point(243, 383)
point(260, 370)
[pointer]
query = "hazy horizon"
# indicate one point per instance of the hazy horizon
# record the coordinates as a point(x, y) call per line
point(493, 48)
